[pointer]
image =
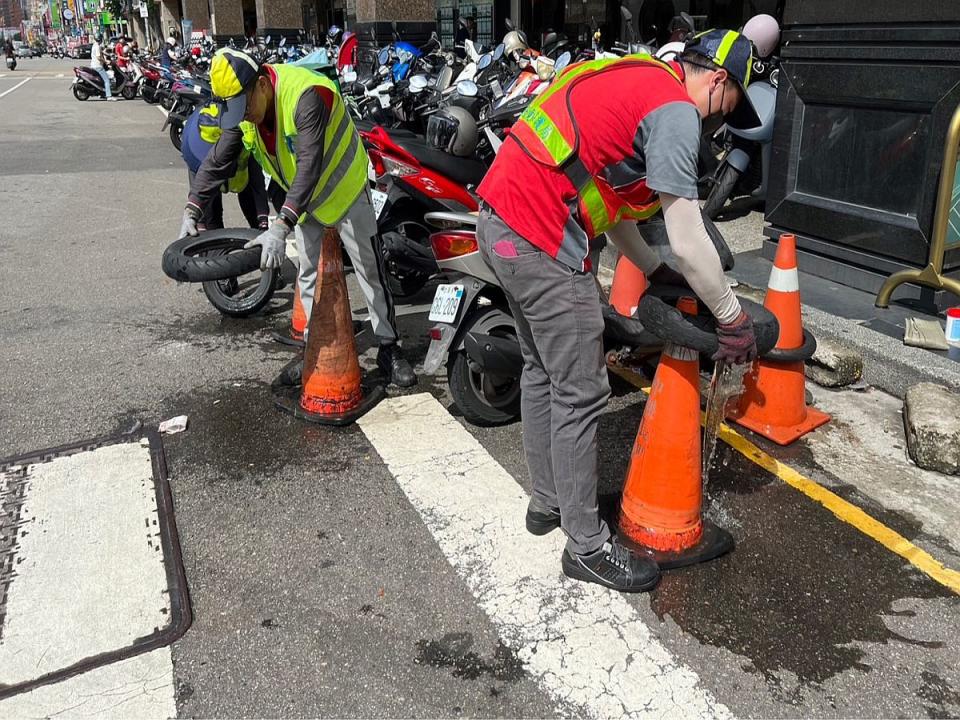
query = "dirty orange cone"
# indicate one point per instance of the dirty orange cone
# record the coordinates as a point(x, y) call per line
point(663, 494)
point(331, 392)
point(774, 403)
point(298, 322)
point(629, 283)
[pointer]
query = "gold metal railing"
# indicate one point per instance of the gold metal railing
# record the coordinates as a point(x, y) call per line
point(932, 275)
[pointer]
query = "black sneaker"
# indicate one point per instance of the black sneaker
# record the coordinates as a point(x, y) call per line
point(395, 367)
point(613, 566)
point(540, 523)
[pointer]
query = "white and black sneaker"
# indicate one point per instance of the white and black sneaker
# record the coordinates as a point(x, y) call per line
point(613, 566)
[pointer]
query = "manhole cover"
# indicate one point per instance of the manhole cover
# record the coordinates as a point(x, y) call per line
point(90, 566)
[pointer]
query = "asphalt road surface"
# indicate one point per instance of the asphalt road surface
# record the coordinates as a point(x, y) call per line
point(381, 569)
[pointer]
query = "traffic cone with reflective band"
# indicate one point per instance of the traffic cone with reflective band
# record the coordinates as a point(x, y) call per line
point(331, 392)
point(774, 403)
point(629, 283)
point(663, 493)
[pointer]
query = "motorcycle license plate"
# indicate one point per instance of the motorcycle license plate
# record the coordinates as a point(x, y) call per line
point(446, 302)
point(379, 202)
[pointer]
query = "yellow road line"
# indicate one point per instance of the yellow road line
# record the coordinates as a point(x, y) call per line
point(845, 511)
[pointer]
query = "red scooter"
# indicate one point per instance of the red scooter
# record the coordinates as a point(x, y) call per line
point(413, 179)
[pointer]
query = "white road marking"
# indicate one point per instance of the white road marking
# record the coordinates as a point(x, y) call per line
point(139, 687)
point(89, 572)
point(60, 75)
point(586, 646)
point(7, 92)
point(165, 113)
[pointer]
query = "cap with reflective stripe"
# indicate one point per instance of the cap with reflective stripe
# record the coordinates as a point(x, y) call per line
point(232, 72)
point(734, 53)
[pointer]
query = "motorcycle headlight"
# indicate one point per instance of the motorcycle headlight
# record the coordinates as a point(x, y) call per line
point(441, 131)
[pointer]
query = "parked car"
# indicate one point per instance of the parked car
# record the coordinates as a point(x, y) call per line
point(24, 52)
point(83, 51)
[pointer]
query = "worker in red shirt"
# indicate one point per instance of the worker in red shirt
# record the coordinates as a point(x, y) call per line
point(608, 144)
point(122, 51)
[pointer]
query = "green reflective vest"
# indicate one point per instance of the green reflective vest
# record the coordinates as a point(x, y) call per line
point(344, 174)
point(208, 123)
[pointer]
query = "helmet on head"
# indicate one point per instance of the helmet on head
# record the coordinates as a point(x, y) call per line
point(453, 130)
point(514, 42)
point(334, 32)
point(171, 41)
point(195, 51)
point(764, 32)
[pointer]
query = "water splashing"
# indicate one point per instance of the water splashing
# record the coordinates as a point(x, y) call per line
point(727, 381)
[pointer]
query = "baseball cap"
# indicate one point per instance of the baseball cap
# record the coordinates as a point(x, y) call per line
point(232, 72)
point(734, 53)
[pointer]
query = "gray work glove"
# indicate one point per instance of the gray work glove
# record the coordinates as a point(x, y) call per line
point(189, 225)
point(273, 242)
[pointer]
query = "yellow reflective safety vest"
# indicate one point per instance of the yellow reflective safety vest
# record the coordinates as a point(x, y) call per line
point(208, 123)
point(344, 174)
point(548, 132)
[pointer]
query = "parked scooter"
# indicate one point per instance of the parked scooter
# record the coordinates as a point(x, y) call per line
point(475, 336)
point(88, 83)
point(188, 96)
point(745, 165)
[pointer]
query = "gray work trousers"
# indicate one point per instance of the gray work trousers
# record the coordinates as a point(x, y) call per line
point(564, 386)
point(358, 232)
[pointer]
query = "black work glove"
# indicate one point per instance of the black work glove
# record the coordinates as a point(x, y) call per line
point(738, 344)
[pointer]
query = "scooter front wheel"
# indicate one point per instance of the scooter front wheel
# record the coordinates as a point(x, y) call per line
point(129, 92)
point(176, 135)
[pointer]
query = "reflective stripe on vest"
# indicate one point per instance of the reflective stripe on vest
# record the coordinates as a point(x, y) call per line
point(208, 123)
point(548, 133)
point(344, 173)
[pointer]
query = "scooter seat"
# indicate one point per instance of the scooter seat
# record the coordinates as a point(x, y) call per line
point(465, 171)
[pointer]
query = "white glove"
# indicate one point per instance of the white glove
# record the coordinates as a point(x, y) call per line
point(189, 225)
point(273, 243)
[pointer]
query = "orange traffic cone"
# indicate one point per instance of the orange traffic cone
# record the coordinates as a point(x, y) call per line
point(331, 392)
point(629, 283)
point(298, 322)
point(663, 494)
point(773, 403)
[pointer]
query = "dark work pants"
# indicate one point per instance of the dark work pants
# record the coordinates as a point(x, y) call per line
point(564, 384)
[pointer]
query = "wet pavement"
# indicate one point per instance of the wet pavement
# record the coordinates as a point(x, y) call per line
point(317, 589)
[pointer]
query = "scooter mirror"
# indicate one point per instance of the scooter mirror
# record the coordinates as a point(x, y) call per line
point(498, 51)
point(418, 83)
point(562, 61)
point(508, 23)
point(625, 13)
point(267, 39)
point(467, 88)
point(383, 56)
point(484, 62)
point(283, 41)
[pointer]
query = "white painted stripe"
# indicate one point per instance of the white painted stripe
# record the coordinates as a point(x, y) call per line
point(22, 82)
point(784, 280)
point(89, 573)
point(585, 645)
point(139, 687)
point(60, 75)
point(165, 113)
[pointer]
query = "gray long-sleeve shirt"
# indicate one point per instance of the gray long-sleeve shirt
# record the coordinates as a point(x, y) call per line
point(310, 119)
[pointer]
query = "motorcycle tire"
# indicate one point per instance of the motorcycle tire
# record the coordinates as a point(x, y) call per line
point(168, 101)
point(176, 135)
point(81, 93)
point(721, 191)
point(242, 295)
point(192, 259)
point(485, 399)
point(129, 92)
point(149, 94)
point(659, 315)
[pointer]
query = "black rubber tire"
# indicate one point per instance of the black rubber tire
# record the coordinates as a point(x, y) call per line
point(168, 101)
point(192, 259)
point(658, 313)
point(81, 93)
point(721, 192)
point(476, 407)
point(223, 294)
point(129, 92)
point(176, 135)
point(402, 282)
